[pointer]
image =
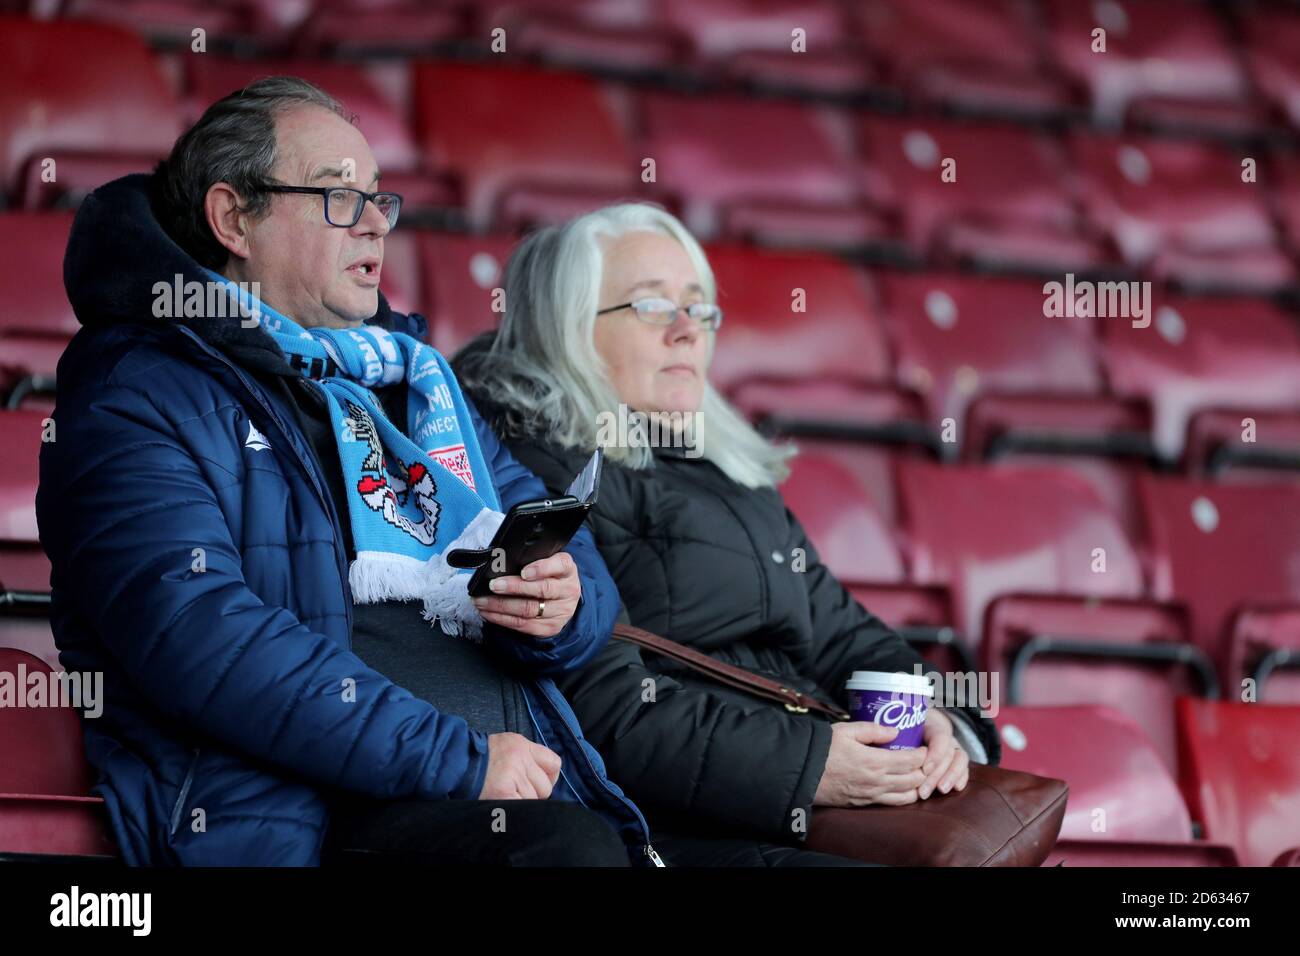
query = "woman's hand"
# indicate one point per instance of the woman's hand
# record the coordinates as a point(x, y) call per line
point(947, 765)
point(551, 586)
point(858, 774)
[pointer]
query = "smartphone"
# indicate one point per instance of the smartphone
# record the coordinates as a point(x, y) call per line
point(530, 531)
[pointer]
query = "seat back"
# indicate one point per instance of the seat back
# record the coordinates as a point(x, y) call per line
point(1218, 548)
point(1241, 774)
point(1119, 789)
point(495, 129)
point(1201, 353)
point(78, 88)
point(986, 532)
point(841, 520)
point(793, 316)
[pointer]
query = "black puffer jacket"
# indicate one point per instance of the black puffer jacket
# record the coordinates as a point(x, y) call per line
point(708, 563)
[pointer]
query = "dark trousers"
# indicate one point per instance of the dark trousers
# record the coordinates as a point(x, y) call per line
point(470, 833)
point(678, 849)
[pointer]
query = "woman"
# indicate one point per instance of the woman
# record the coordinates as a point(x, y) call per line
point(609, 328)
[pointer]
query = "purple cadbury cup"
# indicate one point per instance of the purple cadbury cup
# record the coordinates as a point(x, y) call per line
point(892, 700)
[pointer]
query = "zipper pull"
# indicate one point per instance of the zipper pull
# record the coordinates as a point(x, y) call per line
point(654, 857)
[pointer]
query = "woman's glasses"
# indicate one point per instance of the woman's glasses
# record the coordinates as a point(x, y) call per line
point(657, 311)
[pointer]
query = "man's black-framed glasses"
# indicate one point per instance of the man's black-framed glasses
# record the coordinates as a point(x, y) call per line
point(344, 206)
point(659, 311)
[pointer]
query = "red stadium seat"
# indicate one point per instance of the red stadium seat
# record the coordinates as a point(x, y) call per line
point(756, 170)
point(985, 532)
point(44, 778)
point(23, 567)
point(526, 145)
point(1241, 774)
point(834, 408)
point(1223, 550)
point(872, 466)
point(1049, 590)
point(628, 37)
point(794, 316)
point(1272, 37)
point(24, 601)
point(753, 42)
point(1119, 789)
point(958, 336)
point(357, 27)
point(20, 436)
point(1173, 54)
point(401, 273)
point(265, 24)
point(1125, 853)
point(1288, 858)
point(461, 274)
point(1286, 192)
point(25, 626)
point(83, 92)
point(975, 55)
point(171, 21)
point(921, 616)
point(1006, 424)
point(842, 521)
point(1114, 480)
point(1203, 353)
point(1132, 656)
point(856, 543)
point(802, 350)
point(1243, 445)
point(1182, 209)
point(1265, 644)
point(1008, 203)
point(37, 320)
point(1105, 441)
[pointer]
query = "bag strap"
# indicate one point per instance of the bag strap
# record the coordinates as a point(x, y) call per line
point(729, 674)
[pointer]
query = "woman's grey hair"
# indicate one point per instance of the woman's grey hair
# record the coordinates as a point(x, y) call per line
point(233, 142)
point(545, 374)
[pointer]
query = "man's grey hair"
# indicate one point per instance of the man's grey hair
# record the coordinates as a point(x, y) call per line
point(233, 142)
point(543, 369)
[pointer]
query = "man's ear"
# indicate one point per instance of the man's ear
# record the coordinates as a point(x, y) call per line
point(223, 208)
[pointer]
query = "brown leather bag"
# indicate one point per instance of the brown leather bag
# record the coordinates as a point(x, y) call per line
point(1001, 817)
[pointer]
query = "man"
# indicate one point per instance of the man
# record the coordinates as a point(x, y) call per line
point(248, 513)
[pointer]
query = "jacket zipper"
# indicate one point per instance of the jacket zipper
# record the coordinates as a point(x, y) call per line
point(328, 505)
point(648, 850)
point(179, 808)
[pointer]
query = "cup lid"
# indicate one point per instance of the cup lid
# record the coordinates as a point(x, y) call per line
point(891, 681)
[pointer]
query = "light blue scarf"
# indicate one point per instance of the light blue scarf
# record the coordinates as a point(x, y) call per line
point(411, 497)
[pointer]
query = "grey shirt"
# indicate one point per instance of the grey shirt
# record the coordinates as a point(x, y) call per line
point(454, 674)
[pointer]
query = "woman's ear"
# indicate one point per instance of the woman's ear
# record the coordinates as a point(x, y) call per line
point(223, 208)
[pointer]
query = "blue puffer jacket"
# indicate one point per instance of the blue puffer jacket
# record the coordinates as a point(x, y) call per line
point(208, 584)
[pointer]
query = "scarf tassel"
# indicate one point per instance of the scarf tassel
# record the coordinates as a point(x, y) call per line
point(377, 576)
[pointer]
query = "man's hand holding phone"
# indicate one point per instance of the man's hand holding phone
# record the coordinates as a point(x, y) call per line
point(538, 601)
